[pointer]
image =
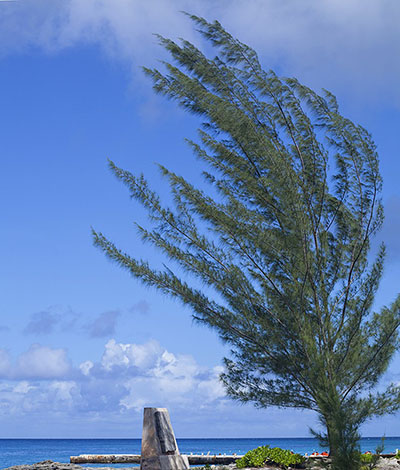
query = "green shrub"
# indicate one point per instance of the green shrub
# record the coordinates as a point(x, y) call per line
point(265, 454)
point(253, 458)
point(366, 458)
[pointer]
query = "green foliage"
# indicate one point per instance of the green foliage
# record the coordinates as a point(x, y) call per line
point(366, 458)
point(254, 458)
point(266, 455)
point(278, 237)
point(370, 461)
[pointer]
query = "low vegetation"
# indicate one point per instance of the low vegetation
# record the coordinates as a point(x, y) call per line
point(270, 455)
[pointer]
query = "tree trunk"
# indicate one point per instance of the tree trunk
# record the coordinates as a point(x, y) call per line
point(343, 438)
point(332, 446)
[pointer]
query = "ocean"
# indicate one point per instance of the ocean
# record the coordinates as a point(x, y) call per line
point(28, 451)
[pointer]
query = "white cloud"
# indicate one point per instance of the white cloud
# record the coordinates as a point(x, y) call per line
point(335, 43)
point(113, 391)
point(127, 355)
point(25, 397)
point(42, 362)
point(23, 387)
point(4, 363)
point(176, 374)
point(124, 28)
point(160, 376)
point(64, 390)
point(212, 388)
point(127, 377)
point(85, 367)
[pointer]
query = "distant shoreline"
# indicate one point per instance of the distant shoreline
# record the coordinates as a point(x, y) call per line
point(16, 451)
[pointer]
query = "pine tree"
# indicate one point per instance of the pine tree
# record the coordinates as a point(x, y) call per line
point(282, 239)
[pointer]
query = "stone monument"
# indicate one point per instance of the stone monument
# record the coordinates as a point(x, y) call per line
point(159, 448)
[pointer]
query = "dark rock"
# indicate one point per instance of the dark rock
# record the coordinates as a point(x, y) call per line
point(47, 465)
point(164, 432)
point(50, 465)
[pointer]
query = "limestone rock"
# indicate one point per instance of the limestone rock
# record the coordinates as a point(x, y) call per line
point(388, 464)
point(47, 465)
point(159, 448)
point(50, 465)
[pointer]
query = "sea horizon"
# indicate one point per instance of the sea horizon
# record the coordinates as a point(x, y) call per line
point(20, 451)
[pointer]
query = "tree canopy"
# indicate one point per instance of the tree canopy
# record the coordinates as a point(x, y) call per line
point(282, 238)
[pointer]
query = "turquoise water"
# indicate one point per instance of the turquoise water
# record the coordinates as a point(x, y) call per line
point(28, 451)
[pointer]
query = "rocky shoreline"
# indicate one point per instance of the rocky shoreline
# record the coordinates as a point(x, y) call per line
point(383, 464)
point(50, 465)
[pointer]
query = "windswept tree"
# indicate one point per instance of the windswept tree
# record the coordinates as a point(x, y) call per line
point(282, 239)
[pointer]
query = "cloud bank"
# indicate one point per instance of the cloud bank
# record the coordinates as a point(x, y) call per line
point(38, 362)
point(126, 377)
point(43, 362)
point(105, 397)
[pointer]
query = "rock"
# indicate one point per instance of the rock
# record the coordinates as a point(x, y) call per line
point(47, 465)
point(50, 465)
point(388, 464)
point(165, 433)
point(383, 464)
point(159, 448)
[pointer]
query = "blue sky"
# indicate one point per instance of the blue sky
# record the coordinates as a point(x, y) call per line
point(83, 346)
